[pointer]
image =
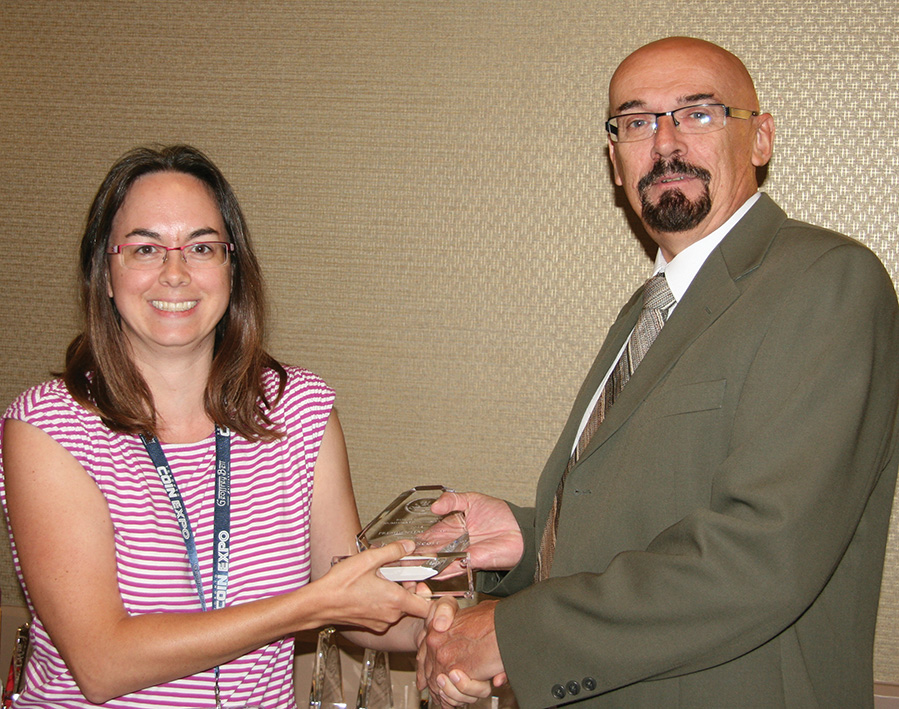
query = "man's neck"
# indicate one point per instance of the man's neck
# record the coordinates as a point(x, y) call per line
point(682, 269)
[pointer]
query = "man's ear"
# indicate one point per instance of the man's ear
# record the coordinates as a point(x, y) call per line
point(763, 145)
point(613, 156)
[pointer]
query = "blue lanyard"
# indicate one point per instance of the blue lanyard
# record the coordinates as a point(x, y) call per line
point(221, 519)
point(221, 516)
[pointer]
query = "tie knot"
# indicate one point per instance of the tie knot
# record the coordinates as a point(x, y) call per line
point(657, 295)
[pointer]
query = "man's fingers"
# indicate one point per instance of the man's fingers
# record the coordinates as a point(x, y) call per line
point(443, 614)
point(449, 502)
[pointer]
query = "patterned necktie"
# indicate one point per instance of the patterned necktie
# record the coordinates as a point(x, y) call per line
point(657, 301)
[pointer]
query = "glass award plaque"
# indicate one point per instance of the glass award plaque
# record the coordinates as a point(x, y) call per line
point(440, 540)
point(327, 679)
point(16, 675)
point(375, 687)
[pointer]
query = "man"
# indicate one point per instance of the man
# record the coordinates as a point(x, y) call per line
point(718, 540)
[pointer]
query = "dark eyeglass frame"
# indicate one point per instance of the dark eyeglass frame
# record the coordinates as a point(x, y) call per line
point(729, 112)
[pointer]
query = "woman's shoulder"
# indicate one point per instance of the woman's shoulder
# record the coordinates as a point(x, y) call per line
point(50, 407)
point(298, 382)
point(49, 396)
point(306, 397)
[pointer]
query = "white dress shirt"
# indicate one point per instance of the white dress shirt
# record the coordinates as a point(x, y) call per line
point(679, 273)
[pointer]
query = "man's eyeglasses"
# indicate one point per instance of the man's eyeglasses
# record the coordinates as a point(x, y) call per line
point(149, 257)
point(703, 118)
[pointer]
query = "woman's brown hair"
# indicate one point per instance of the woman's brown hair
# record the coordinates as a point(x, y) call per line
point(99, 371)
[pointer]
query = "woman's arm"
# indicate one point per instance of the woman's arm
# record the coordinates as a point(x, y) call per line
point(64, 539)
point(334, 525)
point(334, 521)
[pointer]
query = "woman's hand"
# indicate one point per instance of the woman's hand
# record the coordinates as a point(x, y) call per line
point(357, 594)
point(457, 689)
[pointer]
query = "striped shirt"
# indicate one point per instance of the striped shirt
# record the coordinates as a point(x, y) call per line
point(271, 494)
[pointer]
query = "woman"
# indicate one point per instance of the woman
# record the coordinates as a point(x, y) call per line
point(177, 467)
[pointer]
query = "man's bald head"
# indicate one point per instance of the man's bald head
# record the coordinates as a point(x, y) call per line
point(684, 183)
point(664, 61)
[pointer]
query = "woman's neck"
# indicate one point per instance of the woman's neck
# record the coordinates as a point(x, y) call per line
point(183, 425)
point(178, 388)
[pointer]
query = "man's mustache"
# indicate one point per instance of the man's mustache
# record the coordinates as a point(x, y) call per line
point(674, 166)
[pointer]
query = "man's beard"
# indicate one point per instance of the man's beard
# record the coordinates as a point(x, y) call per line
point(674, 212)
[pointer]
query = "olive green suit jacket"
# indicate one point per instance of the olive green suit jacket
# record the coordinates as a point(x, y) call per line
point(721, 540)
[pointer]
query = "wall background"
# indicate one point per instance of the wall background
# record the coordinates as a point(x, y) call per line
point(429, 191)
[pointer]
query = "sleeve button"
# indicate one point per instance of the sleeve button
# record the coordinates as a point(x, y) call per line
point(558, 691)
point(589, 684)
point(573, 688)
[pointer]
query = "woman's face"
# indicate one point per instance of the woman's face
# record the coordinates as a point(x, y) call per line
point(174, 308)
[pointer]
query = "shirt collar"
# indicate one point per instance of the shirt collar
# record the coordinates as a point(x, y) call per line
point(681, 270)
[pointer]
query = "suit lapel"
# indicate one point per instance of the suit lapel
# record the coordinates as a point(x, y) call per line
point(711, 293)
point(558, 459)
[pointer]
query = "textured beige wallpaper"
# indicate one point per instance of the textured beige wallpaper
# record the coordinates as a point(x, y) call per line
point(428, 187)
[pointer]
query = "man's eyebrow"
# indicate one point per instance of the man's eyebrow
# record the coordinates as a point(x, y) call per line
point(627, 105)
point(696, 97)
point(683, 100)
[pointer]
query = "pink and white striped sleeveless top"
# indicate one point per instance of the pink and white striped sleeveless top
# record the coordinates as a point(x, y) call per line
point(271, 494)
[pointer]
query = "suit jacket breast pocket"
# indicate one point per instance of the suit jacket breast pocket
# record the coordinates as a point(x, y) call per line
point(688, 398)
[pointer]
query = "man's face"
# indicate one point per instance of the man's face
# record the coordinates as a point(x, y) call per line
point(686, 185)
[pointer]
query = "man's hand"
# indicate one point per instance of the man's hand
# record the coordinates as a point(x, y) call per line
point(495, 538)
point(459, 655)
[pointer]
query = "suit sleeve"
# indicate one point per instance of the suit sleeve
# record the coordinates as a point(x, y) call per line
point(811, 436)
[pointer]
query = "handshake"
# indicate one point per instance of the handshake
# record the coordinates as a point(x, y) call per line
point(458, 656)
